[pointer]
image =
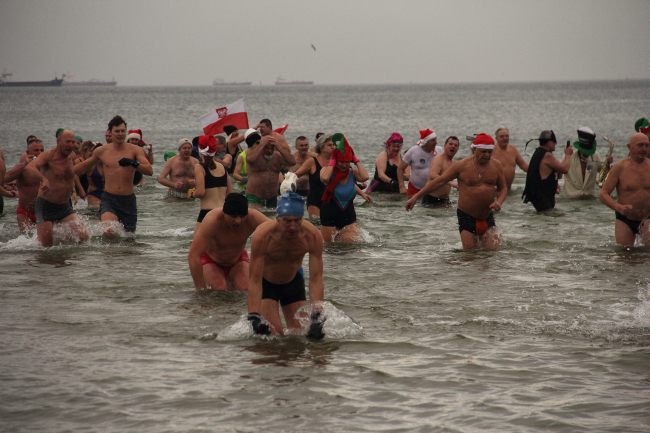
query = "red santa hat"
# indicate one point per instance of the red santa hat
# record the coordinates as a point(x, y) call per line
point(134, 133)
point(426, 135)
point(483, 141)
point(207, 145)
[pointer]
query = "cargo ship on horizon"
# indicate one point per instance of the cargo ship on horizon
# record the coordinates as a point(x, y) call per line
point(56, 82)
point(281, 81)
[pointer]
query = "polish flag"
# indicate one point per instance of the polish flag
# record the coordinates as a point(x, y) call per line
point(232, 114)
point(281, 129)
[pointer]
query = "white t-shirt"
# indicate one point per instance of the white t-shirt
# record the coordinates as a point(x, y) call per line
point(420, 162)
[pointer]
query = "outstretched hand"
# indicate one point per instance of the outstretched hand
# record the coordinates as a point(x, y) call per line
point(315, 331)
point(410, 203)
point(260, 326)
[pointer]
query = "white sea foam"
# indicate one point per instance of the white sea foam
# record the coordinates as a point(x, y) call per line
point(337, 325)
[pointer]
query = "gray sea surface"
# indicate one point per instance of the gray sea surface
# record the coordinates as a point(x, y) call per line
point(549, 334)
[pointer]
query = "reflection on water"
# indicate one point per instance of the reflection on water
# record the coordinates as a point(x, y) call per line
point(292, 351)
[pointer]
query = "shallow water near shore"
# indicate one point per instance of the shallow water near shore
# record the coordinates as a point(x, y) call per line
point(550, 333)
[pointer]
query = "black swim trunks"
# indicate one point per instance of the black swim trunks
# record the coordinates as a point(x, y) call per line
point(431, 201)
point(48, 211)
point(474, 225)
point(123, 206)
point(286, 293)
point(632, 224)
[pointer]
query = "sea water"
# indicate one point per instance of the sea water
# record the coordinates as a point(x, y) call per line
point(550, 333)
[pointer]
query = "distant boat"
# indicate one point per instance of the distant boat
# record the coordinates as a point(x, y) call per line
point(91, 82)
point(222, 82)
point(51, 83)
point(282, 81)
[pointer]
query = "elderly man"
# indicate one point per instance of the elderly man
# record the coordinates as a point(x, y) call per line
point(178, 172)
point(267, 157)
point(482, 189)
point(276, 274)
point(508, 155)
point(419, 158)
point(54, 169)
point(631, 179)
point(584, 166)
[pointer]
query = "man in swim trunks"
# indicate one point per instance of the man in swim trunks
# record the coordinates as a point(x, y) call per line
point(218, 254)
point(178, 172)
point(54, 169)
point(482, 189)
point(276, 277)
point(119, 160)
point(440, 197)
point(265, 160)
point(631, 179)
point(508, 155)
point(27, 183)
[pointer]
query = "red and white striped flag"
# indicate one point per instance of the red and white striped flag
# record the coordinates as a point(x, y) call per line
point(232, 114)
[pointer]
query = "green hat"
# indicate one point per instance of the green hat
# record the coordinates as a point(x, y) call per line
point(642, 124)
point(586, 143)
point(78, 138)
point(168, 154)
point(58, 132)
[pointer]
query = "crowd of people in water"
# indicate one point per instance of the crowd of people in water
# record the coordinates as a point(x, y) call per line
point(240, 176)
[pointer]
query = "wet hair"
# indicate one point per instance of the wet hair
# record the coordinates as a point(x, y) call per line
point(452, 137)
point(318, 134)
point(235, 205)
point(116, 121)
point(229, 129)
point(267, 122)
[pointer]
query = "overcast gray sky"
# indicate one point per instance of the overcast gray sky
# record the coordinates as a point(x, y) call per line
point(167, 42)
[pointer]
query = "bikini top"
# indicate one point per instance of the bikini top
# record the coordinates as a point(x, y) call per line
point(214, 181)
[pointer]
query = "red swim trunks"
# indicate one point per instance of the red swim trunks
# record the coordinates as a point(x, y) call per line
point(411, 190)
point(206, 259)
point(29, 214)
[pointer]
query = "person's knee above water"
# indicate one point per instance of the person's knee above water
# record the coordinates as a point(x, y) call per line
point(276, 278)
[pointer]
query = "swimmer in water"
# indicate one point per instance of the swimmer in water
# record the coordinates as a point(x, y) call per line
point(276, 276)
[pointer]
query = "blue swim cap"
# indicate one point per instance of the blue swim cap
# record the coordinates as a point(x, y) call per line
point(290, 204)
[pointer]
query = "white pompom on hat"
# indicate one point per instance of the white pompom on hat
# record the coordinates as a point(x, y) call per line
point(426, 135)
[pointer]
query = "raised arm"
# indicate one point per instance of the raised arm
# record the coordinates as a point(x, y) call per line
point(282, 146)
point(561, 167)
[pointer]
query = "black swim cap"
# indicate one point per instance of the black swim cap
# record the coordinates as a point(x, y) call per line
point(235, 205)
point(546, 136)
